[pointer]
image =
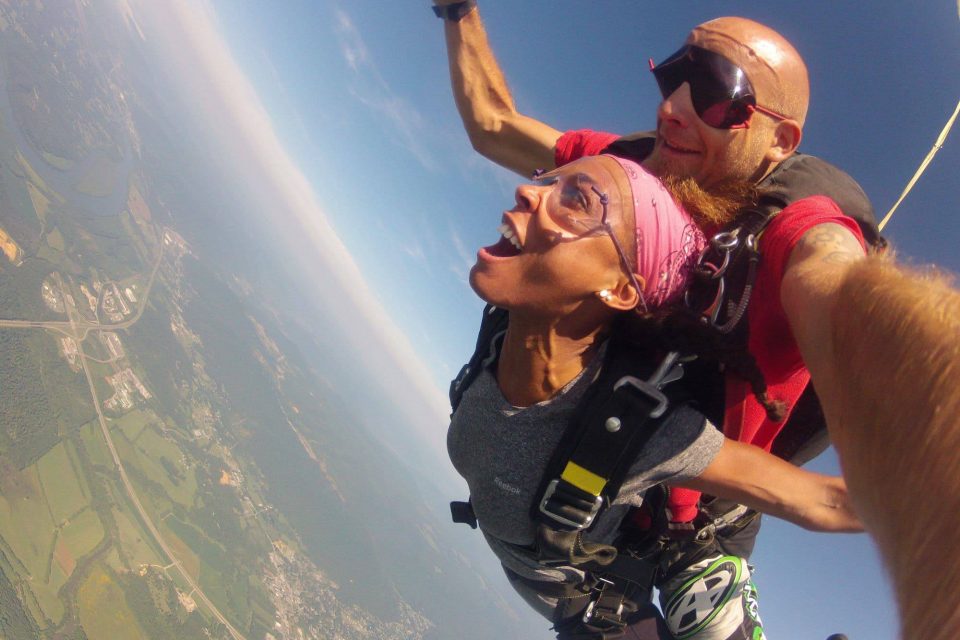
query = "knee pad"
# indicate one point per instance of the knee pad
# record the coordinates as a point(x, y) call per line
point(712, 600)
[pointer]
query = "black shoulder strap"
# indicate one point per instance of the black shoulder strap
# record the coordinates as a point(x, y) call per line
point(636, 146)
point(493, 322)
point(802, 176)
point(612, 422)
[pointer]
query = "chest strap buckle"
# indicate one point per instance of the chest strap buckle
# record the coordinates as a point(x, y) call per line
point(569, 506)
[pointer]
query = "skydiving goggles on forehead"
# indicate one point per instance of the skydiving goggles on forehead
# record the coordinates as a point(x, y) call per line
point(722, 94)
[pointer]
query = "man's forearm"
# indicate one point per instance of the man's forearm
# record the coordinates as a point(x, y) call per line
point(486, 106)
point(896, 337)
point(479, 86)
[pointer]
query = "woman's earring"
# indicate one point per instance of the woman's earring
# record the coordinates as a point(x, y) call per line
point(604, 294)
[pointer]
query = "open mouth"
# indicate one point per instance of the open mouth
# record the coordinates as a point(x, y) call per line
point(508, 245)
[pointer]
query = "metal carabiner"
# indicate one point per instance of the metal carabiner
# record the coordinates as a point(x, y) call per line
point(723, 243)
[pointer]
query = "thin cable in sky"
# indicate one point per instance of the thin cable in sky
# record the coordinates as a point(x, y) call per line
point(926, 161)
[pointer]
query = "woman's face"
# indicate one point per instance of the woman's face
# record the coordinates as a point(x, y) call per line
point(553, 252)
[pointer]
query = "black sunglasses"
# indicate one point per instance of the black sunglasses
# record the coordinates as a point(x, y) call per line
point(722, 95)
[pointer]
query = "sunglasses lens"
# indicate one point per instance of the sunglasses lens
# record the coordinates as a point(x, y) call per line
point(721, 93)
point(727, 114)
point(672, 72)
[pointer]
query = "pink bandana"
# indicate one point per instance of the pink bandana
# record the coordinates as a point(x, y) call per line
point(668, 240)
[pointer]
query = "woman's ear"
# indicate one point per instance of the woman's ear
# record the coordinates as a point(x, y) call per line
point(786, 139)
point(622, 297)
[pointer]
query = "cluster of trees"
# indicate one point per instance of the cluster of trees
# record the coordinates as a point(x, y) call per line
point(14, 621)
point(19, 219)
point(153, 600)
point(66, 127)
point(162, 357)
point(173, 472)
point(228, 343)
point(29, 423)
point(98, 239)
point(20, 297)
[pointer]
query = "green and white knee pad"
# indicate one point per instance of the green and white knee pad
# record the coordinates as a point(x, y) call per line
point(713, 600)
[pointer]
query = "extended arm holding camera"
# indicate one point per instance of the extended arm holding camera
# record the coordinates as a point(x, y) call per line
point(883, 347)
point(495, 127)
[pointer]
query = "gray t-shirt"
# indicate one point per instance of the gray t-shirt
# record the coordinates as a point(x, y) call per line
point(503, 451)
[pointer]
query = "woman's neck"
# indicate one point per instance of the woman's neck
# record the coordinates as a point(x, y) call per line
point(539, 357)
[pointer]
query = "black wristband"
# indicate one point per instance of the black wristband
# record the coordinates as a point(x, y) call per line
point(454, 12)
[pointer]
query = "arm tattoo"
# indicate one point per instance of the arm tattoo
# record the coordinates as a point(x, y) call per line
point(831, 244)
point(839, 257)
point(825, 235)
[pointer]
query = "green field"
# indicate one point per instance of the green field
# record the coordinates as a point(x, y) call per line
point(55, 239)
point(132, 423)
point(152, 494)
point(212, 555)
point(47, 254)
point(188, 559)
point(162, 461)
point(135, 542)
point(103, 609)
point(61, 486)
point(41, 203)
point(46, 491)
point(82, 533)
point(74, 458)
point(34, 179)
point(92, 438)
point(26, 526)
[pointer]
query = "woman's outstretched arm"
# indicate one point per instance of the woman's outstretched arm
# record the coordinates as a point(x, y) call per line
point(760, 480)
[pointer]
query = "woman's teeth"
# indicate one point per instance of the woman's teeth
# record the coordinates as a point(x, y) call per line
point(508, 233)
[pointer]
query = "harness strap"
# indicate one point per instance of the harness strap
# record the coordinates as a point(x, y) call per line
point(611, 425)
point(560, 590)
point(462, 513)
point(594, 609)
point(494, 321)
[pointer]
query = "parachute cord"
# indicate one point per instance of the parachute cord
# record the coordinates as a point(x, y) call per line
point(926, 161)
point(923, 165)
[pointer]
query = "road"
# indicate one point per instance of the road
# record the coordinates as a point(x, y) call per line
point(72, 328)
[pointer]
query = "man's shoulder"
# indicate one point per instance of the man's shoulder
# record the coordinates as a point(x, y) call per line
point(803, 176)
point(805, 213)
point(579, 143)
point(817, 205)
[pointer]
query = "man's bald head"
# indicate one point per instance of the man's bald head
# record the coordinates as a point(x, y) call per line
point(776, 70)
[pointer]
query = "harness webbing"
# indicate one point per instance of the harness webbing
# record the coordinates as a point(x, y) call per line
point(611, 425)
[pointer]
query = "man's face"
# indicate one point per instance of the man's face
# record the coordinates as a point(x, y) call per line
point(687, 147)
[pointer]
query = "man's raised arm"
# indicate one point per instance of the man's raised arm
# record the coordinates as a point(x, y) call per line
point(489, 114)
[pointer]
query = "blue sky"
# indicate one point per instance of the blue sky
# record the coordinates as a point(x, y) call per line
point(356, 97)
